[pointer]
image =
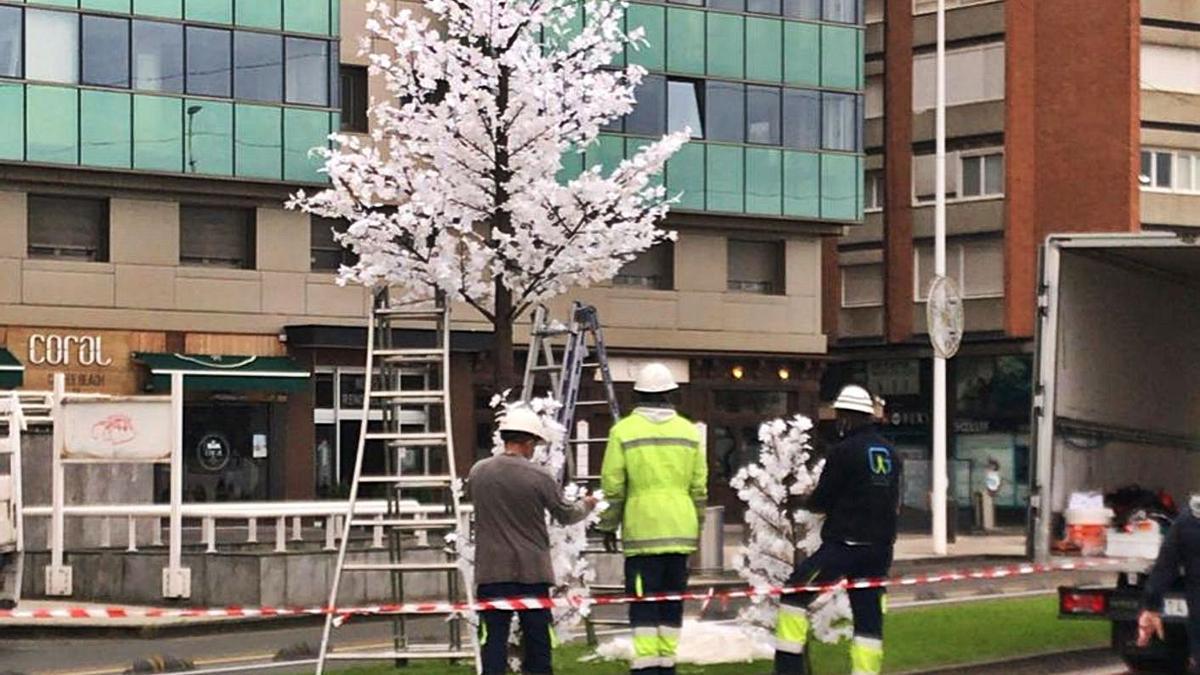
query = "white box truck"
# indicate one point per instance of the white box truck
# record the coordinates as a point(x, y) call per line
point(1117, 402)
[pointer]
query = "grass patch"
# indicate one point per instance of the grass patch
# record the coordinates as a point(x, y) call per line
point(915, 638)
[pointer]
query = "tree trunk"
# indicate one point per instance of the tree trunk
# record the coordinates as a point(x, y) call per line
point(504, 375)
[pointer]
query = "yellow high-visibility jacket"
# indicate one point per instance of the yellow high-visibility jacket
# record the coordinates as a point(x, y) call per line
point(655, 479)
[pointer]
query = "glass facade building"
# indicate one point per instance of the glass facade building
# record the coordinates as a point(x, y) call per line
point(238, 88)
point(772, 93)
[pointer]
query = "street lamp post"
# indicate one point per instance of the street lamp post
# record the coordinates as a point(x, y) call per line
point(939, 358)
point(191, 116)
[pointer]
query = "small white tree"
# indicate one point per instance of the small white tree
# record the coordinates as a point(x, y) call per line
point(458, 188)
point(573, 571)
point(784, 469)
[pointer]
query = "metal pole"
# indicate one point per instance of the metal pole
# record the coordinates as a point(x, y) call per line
point(176, 579)
point(939, 262)
point(58, 575)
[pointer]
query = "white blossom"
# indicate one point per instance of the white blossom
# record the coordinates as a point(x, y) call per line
point(784, 468)
point(457, 188)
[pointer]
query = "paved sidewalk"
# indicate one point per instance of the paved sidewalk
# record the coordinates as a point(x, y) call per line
point(919, 547)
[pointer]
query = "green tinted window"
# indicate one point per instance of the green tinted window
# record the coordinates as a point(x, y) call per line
point(257, 13)
point(651, 19)
point(801, 184)
point(685, 48)
point(121, 6)
point(764, 177)
point(157, 133)
point(12, 111)
point(764, 49)
point(607, 152)
point(727, 38)
point(685, 174)
point(208, 132)
point(52, 124)
point(306, 16)
point(215, 11)
point(572, 166)
point(725, 184)
point(304, 130)
point(839, 57)
point(335, 11)
point(172, 9)
point(839, 187)
point(258, 141)
point(801, 53)
point(61, 3)
point(105, 129)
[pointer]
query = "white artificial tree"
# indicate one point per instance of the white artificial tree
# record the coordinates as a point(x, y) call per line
point(458, 187)
point(777, 533)
point(573, 571)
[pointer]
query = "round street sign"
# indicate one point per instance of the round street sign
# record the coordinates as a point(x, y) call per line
point(944, 314)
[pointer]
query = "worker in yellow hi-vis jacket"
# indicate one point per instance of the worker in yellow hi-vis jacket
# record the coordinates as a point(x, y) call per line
point(655, 479)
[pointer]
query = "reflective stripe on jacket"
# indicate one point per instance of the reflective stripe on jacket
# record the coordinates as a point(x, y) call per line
point(655, 478)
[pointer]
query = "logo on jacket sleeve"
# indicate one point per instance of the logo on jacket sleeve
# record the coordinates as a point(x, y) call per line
point(879, 460)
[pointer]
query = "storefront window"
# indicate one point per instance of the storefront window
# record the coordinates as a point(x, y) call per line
point(767, 403)
point(993, 398)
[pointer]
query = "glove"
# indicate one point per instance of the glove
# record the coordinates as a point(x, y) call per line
point(610, 542)
point(1149, 625)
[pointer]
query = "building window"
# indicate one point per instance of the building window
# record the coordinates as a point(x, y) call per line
point(762, 115)
point(684, 99)
point(841, 11)
point(10, 42)
point(1172, 170)
point(982, 175)
point(211, 236)
point(839, 122)
point(1168, 68)
point(157, 56)
point(763, 6)
point(862, 285)
point(927, 6)
point(51, 46)
point(209, 61)
point(68, 227)
point(354, 98)
point(976, 265)
point(649, 114)
point(725, 108)
point(105, 51)
point(257, 66)
point(802, 119)
point(653, 269)
point(873, 183)
point(802, 9)
point(973, 74)
point(327, 253)
point(731, 5)
point(755, 267)
point(307, 68)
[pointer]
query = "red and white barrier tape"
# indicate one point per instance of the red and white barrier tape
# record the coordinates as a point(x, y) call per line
point(518, 604)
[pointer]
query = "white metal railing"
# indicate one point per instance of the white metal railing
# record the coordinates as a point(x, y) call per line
point(239, 515)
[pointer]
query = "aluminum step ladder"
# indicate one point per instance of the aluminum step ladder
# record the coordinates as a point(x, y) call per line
point(12, 532)
point(584, 338)
point(406, 431)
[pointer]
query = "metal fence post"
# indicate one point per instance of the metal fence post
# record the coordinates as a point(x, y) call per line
point(58, 575)
point(177, 579)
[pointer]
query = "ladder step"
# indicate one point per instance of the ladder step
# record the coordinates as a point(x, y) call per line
point(587, 478)
point(410, 313)
point(597, 402)
point(545, 369)
point(583, 441)
point(408, 523)
point(403, 568)
point(436, 652)
point(409, 352)
point(413, 438)
point(413, 397)
point(413, 481)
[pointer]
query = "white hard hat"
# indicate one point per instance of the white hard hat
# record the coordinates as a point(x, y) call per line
point(522, 418)
point(655, 378)
point(855, 398)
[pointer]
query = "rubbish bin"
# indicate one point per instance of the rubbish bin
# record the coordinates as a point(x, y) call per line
point(712, 541)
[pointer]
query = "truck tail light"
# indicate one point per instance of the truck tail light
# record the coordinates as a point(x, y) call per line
point(1083, 602)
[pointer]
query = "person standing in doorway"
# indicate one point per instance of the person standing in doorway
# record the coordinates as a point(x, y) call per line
point(511, 496)
point(859, 493)
point(655, 478)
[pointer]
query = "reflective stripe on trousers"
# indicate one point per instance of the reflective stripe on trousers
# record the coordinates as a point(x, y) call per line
point(668, 645)
point(791, 629)
point(866, 656)
point(645, 647)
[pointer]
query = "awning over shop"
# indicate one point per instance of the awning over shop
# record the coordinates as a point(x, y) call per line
point(224, 372)
point(12, 373)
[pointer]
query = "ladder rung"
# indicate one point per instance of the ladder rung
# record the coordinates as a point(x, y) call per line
point(412, 481)
point(545, 369)
point(412, 397)
point(403, 568)
point(582, 441)
point(408, 523)
point(588, 478)
point(596, 402)
point(408, 352)
point(404, 313)
point(591, 364)
point(413, 438)
point(438, 652)
point(609, 622)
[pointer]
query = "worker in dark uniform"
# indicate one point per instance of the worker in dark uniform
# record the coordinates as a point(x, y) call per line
point(859, 493)
point(1180, 552)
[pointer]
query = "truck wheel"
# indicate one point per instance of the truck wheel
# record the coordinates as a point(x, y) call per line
point(1169, 656)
